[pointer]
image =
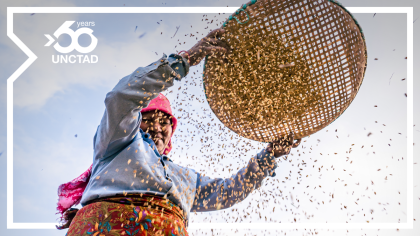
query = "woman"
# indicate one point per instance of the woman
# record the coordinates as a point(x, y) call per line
point(132, 187)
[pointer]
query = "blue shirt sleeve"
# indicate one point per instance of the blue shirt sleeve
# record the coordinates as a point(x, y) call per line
point(179, 65)
point(218, 194)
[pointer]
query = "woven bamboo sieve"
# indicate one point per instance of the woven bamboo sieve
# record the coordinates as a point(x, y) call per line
point(296, 66)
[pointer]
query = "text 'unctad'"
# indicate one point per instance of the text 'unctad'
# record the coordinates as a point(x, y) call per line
point(74, 58)
point(74, 45)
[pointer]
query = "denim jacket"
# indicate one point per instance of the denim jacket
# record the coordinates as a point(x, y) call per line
point(126, 160)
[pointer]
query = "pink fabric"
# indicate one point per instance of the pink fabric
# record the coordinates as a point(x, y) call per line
point(70, 194)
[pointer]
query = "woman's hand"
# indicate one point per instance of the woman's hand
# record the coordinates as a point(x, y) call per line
point(209, 45)
point(283, 145)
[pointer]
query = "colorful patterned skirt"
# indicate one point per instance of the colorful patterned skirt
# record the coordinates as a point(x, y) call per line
point(129, 215)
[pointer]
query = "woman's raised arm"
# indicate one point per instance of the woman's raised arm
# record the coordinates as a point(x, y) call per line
point(217, 194)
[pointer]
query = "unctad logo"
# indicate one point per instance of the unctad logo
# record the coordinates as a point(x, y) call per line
point(65, 29)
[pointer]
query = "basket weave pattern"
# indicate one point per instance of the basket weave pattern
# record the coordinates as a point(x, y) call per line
point(296, 66)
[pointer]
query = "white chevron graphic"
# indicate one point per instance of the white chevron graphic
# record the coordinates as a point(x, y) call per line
point(49, 38)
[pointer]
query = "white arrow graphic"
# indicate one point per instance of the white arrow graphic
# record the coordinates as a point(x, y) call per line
point(49, 38)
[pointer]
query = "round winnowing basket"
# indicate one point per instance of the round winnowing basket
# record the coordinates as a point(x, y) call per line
point(296, 66)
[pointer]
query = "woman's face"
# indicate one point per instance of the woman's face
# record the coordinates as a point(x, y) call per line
point(158, 124)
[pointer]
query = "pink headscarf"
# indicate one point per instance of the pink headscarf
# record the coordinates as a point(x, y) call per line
point(162, 104)
point(70, 194)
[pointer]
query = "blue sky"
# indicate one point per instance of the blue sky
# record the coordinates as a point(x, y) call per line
point(55, 102)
